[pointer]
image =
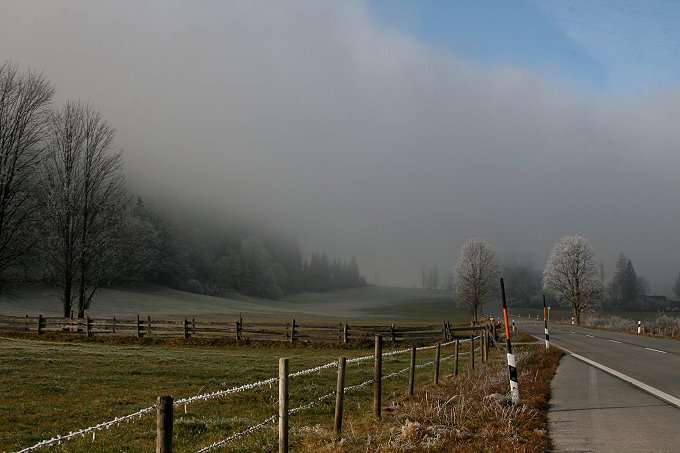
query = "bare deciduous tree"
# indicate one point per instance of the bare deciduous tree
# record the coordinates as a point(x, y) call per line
point(477, 275)
point(573, 274)
point(24, 99)
point(85, 192)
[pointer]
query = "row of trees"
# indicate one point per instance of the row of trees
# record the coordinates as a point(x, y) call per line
point(525, 284)
point(57, 166)
point(572, 274)
point(66, 216)
point(430, 278)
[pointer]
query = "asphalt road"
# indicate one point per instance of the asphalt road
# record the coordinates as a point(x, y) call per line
point(601, 411)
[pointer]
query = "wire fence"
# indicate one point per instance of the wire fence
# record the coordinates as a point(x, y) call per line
point(56, 440)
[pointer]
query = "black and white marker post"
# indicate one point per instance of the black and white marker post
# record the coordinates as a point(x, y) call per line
point(512, 365)
point(545, 323)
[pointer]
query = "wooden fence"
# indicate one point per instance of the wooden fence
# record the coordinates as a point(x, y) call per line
point(288, 330)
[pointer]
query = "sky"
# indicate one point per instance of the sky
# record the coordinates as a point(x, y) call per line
point(389, 130)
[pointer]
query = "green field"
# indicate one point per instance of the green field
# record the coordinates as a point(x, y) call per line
point(49, 388)
point(55, 387)
point(369, 303)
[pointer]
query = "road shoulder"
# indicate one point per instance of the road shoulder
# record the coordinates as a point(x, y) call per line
point(592, 411)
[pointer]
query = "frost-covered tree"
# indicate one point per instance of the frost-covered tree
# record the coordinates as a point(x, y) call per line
point(24, 101)
point(573, 274)
point(477, 275)
point(84, 196)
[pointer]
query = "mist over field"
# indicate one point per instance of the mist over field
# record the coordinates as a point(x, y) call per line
point(314, 117)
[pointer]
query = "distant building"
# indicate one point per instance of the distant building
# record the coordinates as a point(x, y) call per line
point(654, 303)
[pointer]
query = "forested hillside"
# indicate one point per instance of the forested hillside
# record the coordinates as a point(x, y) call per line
point(69, 219)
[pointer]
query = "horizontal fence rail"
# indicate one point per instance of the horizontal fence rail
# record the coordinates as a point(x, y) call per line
point(288, 330)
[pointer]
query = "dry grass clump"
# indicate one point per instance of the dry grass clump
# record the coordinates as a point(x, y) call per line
point(466, 413)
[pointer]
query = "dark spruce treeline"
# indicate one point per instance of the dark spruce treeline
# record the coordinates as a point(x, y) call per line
point(68, 219)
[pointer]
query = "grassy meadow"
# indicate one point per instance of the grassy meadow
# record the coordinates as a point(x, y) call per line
point(54, 384)
point(385, 304)
point(54, 387)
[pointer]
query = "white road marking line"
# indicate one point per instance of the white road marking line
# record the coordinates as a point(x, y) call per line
point(590, 336)
point(614, 341)
point(647, 388)
point(572, 331)
point(655, 350)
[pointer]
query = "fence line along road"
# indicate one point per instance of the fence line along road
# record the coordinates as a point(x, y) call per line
point(288, 330)
point(56, 440)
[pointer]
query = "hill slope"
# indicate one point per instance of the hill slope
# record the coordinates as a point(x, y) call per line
point(352, 304)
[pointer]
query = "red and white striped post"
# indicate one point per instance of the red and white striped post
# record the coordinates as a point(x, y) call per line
point(639, 326)
point(545, 323)
point(512, 364)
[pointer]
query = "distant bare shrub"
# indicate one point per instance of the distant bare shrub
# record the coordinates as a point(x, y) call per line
point(609, 322)
point(667, 325)
point(662, 325)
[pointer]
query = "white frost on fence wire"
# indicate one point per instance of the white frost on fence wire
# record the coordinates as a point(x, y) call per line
point(239, 434)
point(312, 403)
point(360, 359)
point(318, 400)
point(313, 370)
point(59, 439)
point(240, 388)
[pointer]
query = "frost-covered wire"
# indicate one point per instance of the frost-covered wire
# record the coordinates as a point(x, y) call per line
point(240, 388)
point(184, 401)
point(92, 429)
point(401, 351)
point(360, 359)
point(238, 434)
point(314, 370)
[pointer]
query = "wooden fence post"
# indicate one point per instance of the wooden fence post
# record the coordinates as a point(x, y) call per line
point(164, 424)
point(377, 378)
point(292, 331)
point(483, 346)
point(437, 352)
point(445, 334)
point(339, 395)
point(472, 350)
point(193, 327)
point(489, 340)
point(412, 371)
point(344, 333)
point(186, 328)
point(26, 324)
point(114, 324)
point(455, 359)
point(138, 333)
point(148, 331)
point(40, 321)
point(88, 326)
point(392, 333)
point(283, 405)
